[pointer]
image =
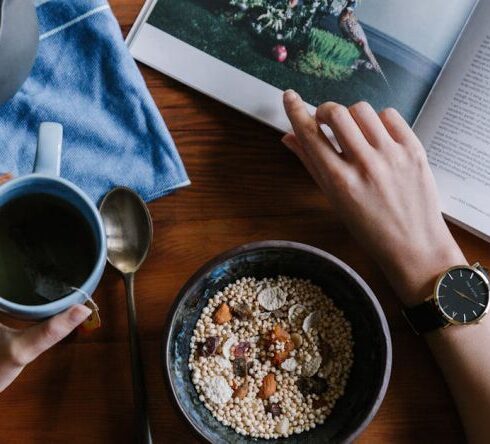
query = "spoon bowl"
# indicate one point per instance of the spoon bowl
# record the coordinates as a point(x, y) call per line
point(129, 229)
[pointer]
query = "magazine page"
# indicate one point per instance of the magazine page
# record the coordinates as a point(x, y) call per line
point(454, 126)
point(246, 52)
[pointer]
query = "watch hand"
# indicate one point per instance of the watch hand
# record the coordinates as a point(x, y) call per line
point(466, 297)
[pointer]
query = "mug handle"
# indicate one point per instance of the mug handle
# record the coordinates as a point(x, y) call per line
point(48, 155)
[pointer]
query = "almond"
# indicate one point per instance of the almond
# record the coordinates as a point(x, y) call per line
point(223, 314)
point(241, 392)
point(269, 386)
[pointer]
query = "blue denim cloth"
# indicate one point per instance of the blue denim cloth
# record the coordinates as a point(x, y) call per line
point(85, 78)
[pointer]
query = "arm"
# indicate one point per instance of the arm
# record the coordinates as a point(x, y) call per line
point(20, 347)
point(382, 187)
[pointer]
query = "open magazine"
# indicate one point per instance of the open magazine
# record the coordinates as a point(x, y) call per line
point(428, 59)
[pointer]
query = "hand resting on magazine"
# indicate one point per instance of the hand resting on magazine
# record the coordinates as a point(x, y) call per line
point(383, 189)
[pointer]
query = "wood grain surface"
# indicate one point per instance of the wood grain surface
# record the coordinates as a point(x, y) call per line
point(245, 187)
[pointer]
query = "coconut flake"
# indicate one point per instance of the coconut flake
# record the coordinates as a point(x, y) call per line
point(264, 315)
point(228, 344)
point(289, 365)
point(282, 426)
point(222, 362)
point(217, 390)
point(310, 368)
point(313, 320)
point(272, 298)
point(295, 311)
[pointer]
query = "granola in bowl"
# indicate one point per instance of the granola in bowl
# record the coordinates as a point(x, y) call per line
point(271, 357)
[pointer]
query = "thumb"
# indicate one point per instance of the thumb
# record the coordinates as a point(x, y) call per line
point(38, 338)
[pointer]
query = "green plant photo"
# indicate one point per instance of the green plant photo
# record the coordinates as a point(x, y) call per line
point(316, 47)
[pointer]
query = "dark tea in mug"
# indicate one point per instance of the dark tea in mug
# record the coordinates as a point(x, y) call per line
point(47, 249)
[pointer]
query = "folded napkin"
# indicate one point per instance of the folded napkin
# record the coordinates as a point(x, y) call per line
point(85, 78)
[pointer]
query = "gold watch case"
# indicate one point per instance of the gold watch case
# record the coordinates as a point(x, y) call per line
point(435, 297)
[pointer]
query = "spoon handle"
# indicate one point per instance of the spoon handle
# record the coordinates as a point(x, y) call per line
point(139, 386)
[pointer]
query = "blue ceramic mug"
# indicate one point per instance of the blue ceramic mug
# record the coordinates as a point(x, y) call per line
point(46, 179)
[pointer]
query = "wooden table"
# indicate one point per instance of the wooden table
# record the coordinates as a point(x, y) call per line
point(245, 187)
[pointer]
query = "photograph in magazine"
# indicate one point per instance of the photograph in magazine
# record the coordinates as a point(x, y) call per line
point(388, 53)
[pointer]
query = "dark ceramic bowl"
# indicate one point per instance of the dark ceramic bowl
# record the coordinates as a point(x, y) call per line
point(370, 373)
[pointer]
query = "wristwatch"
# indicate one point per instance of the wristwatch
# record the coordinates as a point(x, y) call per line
point(461, 297)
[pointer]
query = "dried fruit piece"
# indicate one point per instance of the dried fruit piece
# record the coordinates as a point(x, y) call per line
point(241, 348)
point(282, 426)
point(279, 334)
point(313, 320)
point(208, 347)
point(226, 349)
point(312, 386)
point(310, 368)
point(241, 392)
point(297, 340)
point(272, 298)
point(289, 365)
point(274, 409)
point(295, 312)
point(223, 314)
point(217, 390)
point(319, 386)
point(327, 369)
point(326, 351)
point(240, 367)
point(242, 312)
point(269, 386)
point(319, 403)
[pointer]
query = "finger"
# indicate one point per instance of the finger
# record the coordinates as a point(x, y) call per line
point(345, 128)
point(308, 132)
point(5, 178)
point(294, 145)
point(370, 124)
point(40, 337)
point(396, 126)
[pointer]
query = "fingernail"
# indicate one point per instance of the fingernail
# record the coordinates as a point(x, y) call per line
point(290, 96)
point(79, 313)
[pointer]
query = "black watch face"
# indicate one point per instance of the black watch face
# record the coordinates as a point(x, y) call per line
point(463, 295)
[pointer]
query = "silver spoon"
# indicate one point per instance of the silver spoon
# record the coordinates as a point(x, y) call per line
point(129, 232)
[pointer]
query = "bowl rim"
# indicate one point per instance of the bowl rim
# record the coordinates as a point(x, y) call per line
point(278, 244)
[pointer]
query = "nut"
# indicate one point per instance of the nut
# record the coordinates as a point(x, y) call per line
point(280, 357)
point(269, 386)
point(241, 391)
point(223, 314)
point(297, 339)
point(279, 334)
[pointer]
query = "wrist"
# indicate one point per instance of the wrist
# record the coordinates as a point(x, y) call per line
point(414, 276)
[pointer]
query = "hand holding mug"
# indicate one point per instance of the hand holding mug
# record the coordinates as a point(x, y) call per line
point(20, 347)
